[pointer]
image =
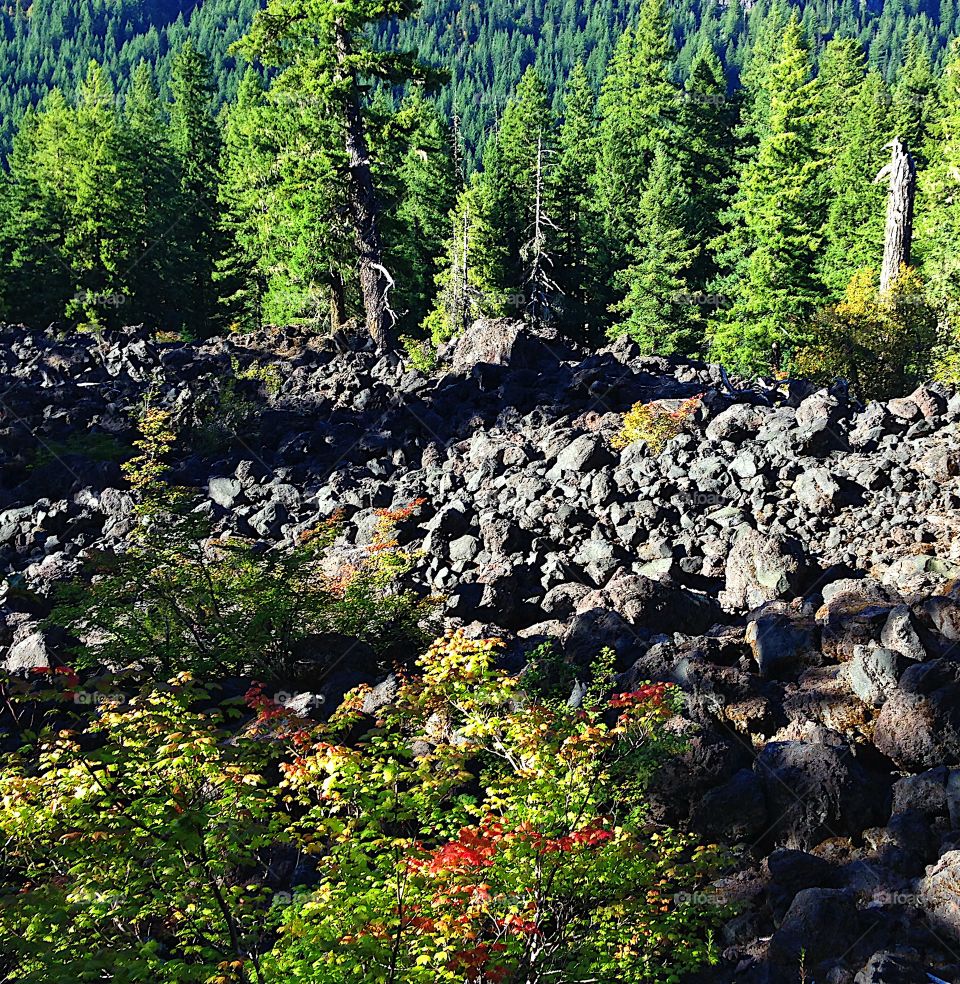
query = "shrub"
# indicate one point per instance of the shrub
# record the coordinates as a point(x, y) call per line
point(140, 848)
point(266, 373)
point(220, 415)
point(181, 599)
point(946, 366)
point(476, 833)
point(421, 354)
point(881, 345)
point(654, 424)
point(512, 845)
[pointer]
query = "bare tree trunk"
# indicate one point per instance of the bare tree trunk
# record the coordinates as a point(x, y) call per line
point(539, 281)
point(456, 149)
point(898, 234)
point(465, 272)
point(338, 304)
point(375, 281)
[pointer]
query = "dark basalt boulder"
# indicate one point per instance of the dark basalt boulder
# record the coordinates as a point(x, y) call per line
point(507, 343)
point(763, 567)
point(919, 725)
point(816, 791)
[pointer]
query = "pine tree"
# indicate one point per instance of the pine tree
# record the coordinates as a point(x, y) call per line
point(503, 197)
point(540, 289)
point(581, 271)
point(158, 201)
point(759, 59)
point(638, 107)
point(196, 140)
point(776, 220)
point(39, 280)
point(843, 68)
point(427, 193)
point(661, 312)
point(857, 204)
point(705, 149)
point(102, 246)
point(938, 218)
point(465, 286)
point(324, 54)
point(914, 98)
point(526, 136)
point(248, 157)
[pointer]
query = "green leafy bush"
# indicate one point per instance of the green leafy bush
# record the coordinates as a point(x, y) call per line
point(266, 373)
point(181, 599)
point(654, 424)
point(421, 354)
point(473, 832)
point(881, 344)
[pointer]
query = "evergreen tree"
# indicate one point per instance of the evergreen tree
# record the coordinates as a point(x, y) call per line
point(196, 140)
point(466, 289)
point(661, 312)
point(248, 156)
point(427, 193)
point(157, 204)
point(938, 213)
point(540, 289)
point(841, 76)
point(101, 246)
point(581, 273)
point(638, 107)
point(325, 55)
point(705, 150)
point(777, 220)
point(504, 197)
point(34, 232)
point(913, 105)
point(857, 204)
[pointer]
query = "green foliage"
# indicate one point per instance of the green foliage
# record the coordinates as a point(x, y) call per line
point(181, 599)
point(140, 849)
point(547, 864)
point(268, 374)
point(421, 354)
point(654, 424)
point(247, 156)
point(860, 129)
point(582, 268)
point(938, 211)
point(505, 194)
point(913, 103)
point(638, 103)
point(704, 151)
point(427, 191)
point(485, 47)
point(881, 344)
point(153, 841)
point(776, 221)
point(196, 139)
point(466, 285)
point(661, 314)
point(702, 182)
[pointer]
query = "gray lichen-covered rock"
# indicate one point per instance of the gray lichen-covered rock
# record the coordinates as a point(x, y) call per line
point(763, 567)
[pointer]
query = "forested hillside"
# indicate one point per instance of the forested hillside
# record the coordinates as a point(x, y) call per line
point(52, 42)
point(486, 47)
